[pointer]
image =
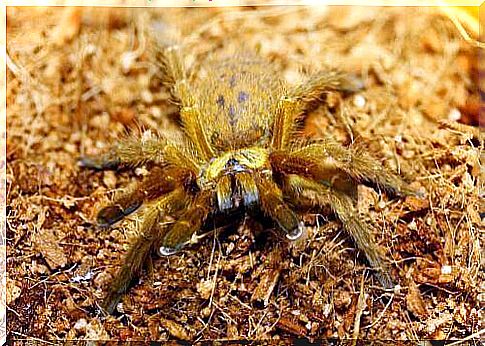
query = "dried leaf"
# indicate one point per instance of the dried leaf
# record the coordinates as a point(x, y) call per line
point(414, 301)
point(266, 286)
point(13, 291)
point(177, 330)
point(46, 241)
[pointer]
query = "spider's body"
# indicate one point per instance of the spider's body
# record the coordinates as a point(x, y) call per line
point(238, 147)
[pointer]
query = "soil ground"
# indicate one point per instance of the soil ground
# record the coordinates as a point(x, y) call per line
point(78, 79)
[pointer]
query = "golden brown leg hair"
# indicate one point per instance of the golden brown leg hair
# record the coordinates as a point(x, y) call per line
point(158, 182)
point(131, 152)
point(150, 231)
point(284, 122)
point(135, 152)
point(273, 205)
point(327, 159)
point(291, 107)
point(306, 191)
point(323, 81)
point(188, 223)
point(169, 59)
point(177, 78)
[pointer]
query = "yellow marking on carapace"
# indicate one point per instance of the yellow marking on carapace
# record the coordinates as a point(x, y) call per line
point(250, 158)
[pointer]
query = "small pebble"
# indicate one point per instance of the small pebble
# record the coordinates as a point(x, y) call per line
point(412, 226)
point(109, 179)
point(146, 96)
point(454, 115)
point(127, 60)
point(80, 324)
point(446, 270)
point(359, 101)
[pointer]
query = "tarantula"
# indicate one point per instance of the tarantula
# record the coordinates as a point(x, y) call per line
point(239, 148)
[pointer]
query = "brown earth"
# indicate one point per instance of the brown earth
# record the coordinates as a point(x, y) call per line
point(78, 79)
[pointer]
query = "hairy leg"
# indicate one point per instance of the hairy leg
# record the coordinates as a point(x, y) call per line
point(175, 75)
point(309, 192)
point(291, 107)
point(273, 205)
point(327, 159)
point(187, 224)
point(171, 67)
point(135, 152)
point(285, 121)
point(323, 81)
point(158, 182)
point(150, 231)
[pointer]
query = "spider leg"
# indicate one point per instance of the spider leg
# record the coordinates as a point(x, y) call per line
point(151, 230)
point(325, 159)
point(158, 182)
point(309, 192)
point(291, 107)
point(176, 76)
point(285, 121)
point(323, 81)
point(173, 71)
point(188, 223)
point(132, 152)
point(135, 152)
point(273, 205)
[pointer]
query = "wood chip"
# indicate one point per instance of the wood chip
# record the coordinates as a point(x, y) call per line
point(416, 203)
point(289, 325)
point(269, 279)
point(46, 241)
point(95, 331)
point(13, 291)
point(69, 25)
point(176, 330)
point(414, 301)
point(266, 286)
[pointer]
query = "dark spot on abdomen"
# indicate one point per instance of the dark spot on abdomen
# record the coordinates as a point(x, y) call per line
point(220, 101)
point(232, 81)
point(242, 97)
point(232, 111)
point(232, 115)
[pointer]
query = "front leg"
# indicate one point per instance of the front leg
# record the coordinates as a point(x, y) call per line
point(151, 230)
point(273, 205)
point(307, 192)
point(157, 183)
point(135, 152)
point(188, 223)
point(132, 152)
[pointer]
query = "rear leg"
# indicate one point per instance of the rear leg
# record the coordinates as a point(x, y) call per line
point(324, 81)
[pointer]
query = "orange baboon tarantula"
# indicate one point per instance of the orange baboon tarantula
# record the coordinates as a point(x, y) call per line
point(239, 147)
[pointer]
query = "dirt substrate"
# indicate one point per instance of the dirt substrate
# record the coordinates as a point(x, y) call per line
point(79, 79)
